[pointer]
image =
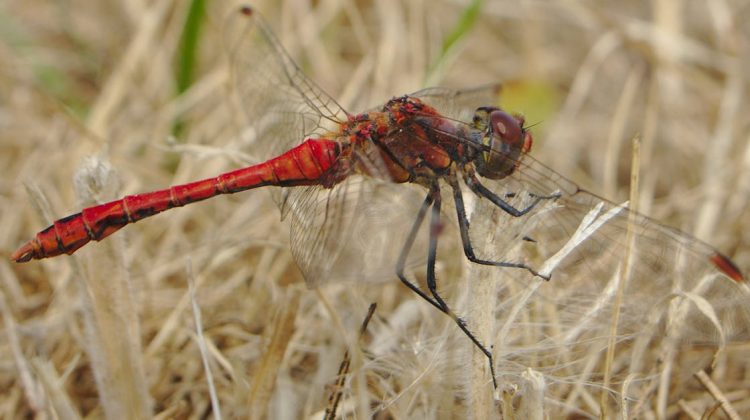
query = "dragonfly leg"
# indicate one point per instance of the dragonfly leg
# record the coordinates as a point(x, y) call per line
point(432, 251)
point(407, 248)
point(433, 201)
point(473, 183)
point(463, 227)
point(432, 280)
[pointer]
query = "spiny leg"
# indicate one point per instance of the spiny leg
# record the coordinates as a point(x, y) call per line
point(473, 183)
point(433, 200)
point(435, 229)
point(407, 249)
point(463, 227)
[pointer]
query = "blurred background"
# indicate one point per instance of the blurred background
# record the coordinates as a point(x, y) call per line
point(103, 99)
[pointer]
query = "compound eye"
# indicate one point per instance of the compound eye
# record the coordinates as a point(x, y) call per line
point(507, 141)
point(506, 126)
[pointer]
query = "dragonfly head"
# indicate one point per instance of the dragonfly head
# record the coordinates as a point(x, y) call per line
point(504, 141)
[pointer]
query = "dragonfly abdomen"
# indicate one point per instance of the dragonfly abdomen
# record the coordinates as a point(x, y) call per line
point(306, 164)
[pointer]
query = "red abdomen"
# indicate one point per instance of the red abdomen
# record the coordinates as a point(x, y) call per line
point(306, 164)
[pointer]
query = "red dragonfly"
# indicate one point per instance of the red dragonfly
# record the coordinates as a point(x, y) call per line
point(349, 202)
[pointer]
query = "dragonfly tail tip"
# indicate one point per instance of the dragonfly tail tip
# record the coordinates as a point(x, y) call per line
point(24, 253)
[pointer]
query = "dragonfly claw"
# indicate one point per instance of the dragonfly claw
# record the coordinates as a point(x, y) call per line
point(545, 277)
point(553, 196)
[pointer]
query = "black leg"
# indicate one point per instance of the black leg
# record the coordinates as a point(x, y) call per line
point(473, 183)
point(432, 250)
point(433, 200)
point(463, 227)
point(407, 248)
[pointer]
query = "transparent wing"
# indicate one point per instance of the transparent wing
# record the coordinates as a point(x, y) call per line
point(460, 104)
point(342, 233)
point(279, 101)
point(674, 295)
point(354, 231)
point(332, 229)
point(584, 241)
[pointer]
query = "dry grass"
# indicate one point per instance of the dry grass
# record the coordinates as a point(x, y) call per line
point(87, 108)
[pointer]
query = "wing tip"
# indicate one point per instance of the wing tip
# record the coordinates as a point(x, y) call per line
point(246, 10)
point(728, 267)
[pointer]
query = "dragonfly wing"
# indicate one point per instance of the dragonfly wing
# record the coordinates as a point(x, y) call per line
point(278, 103)
point(673, 293)
point(460, 104)
point(354, 231)
point(268, 81)
point(338, 232)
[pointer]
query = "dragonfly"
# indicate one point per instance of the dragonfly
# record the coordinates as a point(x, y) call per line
point(355, 184)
